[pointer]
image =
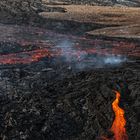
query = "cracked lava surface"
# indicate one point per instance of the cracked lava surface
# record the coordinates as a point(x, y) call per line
point(45, 44)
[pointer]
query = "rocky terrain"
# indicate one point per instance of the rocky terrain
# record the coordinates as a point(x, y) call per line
point(19, 7)
point(77, 108)
point(59, 65)
point(18, 10)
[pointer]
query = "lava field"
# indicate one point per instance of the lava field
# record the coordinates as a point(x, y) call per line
point(59, 83)
point(62, 87)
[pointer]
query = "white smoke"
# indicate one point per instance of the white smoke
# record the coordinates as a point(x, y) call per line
point(66, 49)
point(80, 59)
point(114, 59)
point(70, 53)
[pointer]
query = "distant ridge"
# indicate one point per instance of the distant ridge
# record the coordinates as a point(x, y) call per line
point(130, 3)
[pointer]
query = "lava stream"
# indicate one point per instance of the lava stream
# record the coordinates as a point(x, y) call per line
point(118, 126)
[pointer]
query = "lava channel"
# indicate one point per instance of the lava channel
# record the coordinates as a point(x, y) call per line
point(118, 126)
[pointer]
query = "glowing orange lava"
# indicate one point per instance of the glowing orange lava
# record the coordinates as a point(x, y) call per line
point(27, 57)
point(118, 127)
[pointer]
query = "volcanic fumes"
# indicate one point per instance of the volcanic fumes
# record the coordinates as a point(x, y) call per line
point(118, 127)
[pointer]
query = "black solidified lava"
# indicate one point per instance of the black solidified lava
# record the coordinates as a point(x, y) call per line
point(49, 99)
point(45, 103)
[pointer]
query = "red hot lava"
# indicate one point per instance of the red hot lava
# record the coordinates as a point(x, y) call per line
point(44, 39)
point(118, 127)
point(26, 57)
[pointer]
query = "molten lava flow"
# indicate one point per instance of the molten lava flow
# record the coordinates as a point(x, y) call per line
point(36, 43)
point(27, 56)
point(118, 127)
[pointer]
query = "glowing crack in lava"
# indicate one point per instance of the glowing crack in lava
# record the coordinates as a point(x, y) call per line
point(118, 127)
point(27, 56)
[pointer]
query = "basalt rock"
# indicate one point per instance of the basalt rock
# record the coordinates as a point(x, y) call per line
point(19, 10)
point(35, 105)
point(19, 6)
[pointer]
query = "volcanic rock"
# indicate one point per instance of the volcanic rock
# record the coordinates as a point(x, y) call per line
point(78, 107)
point(19, 10)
